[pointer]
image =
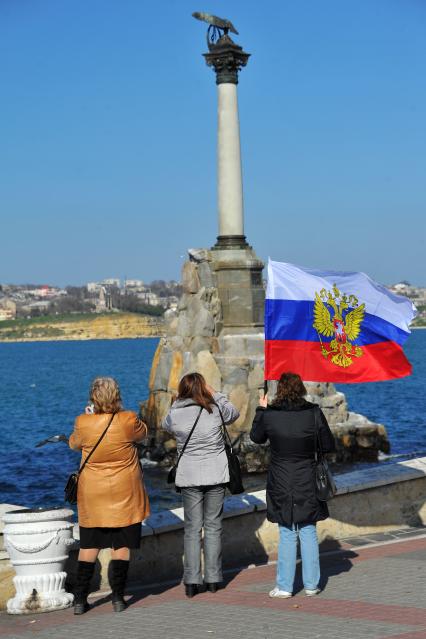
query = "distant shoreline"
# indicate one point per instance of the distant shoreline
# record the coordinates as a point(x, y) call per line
point(81, 328)
point(86, 327)
point(30, 340)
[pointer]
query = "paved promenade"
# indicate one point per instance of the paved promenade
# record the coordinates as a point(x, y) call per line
point(371, 591)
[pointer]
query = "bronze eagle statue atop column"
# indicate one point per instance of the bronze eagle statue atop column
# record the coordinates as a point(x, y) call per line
point(217, 26)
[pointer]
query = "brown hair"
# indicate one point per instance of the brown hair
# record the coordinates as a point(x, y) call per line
point(193, 386)
point(105, 394)
point(291, 390)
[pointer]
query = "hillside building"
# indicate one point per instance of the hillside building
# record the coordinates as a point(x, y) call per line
point(7, 309)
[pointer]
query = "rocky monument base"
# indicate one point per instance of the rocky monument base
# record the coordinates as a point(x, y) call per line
point(202, 335)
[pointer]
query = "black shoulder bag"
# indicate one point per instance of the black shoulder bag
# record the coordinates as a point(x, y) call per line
point(171, 477)
point(71, 486)
point(235, 481)
point(325, 487)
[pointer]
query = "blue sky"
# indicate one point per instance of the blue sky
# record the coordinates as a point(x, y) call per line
point(108, 136)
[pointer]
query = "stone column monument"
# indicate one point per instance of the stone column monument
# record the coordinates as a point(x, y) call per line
point(217, 329)
point(238, 269)
point(227, 58)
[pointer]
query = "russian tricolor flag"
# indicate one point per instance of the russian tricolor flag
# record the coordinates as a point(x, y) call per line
point(334, 326)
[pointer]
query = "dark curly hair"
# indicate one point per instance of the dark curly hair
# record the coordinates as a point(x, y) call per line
point(291, 390)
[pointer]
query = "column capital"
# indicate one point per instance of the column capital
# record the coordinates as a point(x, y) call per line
point(226, 58)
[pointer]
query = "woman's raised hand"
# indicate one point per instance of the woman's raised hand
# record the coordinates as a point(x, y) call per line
point(263, 401)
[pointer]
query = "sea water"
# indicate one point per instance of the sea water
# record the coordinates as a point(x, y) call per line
point(44, 385)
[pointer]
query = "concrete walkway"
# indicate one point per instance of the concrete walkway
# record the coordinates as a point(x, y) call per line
point(371, 591)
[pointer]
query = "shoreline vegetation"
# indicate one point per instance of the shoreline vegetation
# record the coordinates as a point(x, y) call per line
point(81, 326)
point(420, 320)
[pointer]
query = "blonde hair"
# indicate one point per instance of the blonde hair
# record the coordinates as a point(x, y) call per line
point(105, 395)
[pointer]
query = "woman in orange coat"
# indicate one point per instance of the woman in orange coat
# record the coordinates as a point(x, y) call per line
point(112, 501)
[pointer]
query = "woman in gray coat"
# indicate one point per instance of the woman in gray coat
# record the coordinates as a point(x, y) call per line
point(202, 475)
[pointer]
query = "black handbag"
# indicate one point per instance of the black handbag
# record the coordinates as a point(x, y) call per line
point(235, 484)
point(71, 487)
point(325, 487)
point(171, 477)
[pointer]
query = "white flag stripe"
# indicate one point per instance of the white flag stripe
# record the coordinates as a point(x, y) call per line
point(290, 282)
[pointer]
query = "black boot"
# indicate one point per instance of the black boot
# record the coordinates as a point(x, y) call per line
point(212, 587)
point(117, 581)
point(191, 590)
point(85, 571)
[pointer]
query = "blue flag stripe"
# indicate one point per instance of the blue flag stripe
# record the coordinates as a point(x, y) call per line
point(293, 320)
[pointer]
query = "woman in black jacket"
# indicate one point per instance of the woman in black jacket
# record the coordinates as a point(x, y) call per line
point(291, 423)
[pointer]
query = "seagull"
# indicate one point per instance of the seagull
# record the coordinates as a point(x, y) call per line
point(53, 440)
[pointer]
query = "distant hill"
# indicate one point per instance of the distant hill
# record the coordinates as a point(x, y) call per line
point(81, 326)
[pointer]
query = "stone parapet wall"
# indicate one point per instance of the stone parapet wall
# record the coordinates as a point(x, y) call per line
point(369, 501)
point(231, 358)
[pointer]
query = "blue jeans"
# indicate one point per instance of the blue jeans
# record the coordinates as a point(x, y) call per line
point(287, 551)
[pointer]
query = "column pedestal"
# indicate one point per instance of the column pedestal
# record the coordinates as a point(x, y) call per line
point(240, 287)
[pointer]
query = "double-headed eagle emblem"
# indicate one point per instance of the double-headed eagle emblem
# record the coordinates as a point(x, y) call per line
point(339, 316)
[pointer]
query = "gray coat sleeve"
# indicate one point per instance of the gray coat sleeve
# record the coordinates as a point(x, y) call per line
point(167, 422)
point(228, 410)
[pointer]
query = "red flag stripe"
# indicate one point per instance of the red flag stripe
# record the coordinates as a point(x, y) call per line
point(379, 362)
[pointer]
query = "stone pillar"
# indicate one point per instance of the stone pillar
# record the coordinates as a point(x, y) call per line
point(229, 177)
point(227, 58)
point(237, 268)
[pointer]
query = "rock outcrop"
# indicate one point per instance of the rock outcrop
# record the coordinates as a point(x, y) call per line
point(232, 362)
